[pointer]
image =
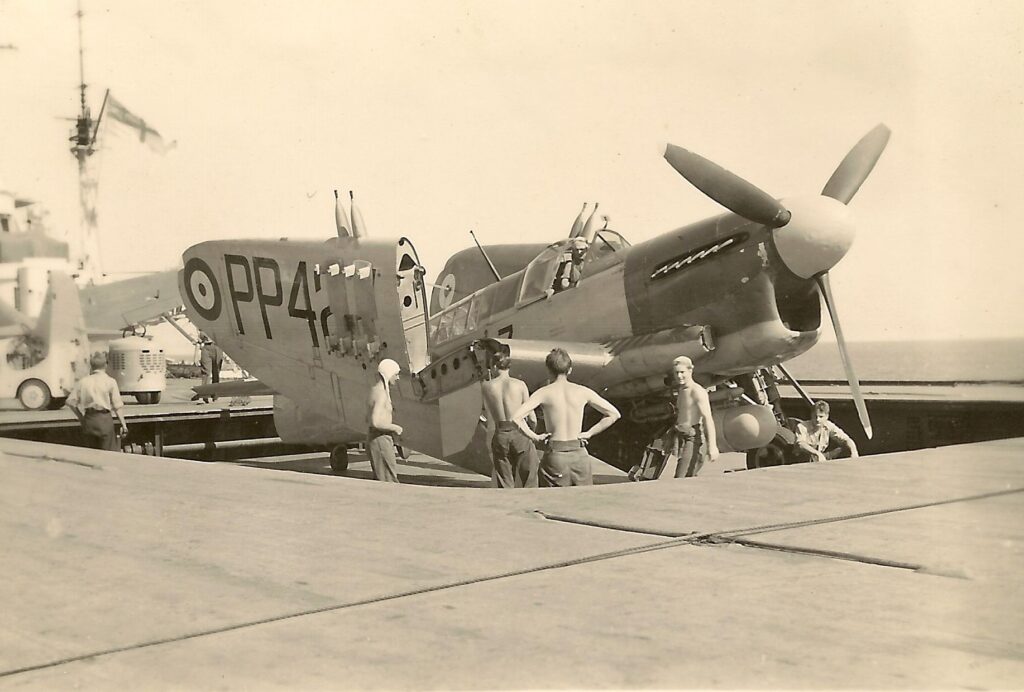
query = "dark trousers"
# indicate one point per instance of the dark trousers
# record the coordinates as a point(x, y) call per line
point(565, 463)
point(514, 456)
point(381, 448)
point(688, 448)
point(837, 450)
point(98, 430)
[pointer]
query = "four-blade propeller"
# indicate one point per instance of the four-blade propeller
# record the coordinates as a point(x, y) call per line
point(747, 200)
point(728, 189)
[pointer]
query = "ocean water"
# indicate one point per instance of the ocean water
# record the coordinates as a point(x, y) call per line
point(983, 360)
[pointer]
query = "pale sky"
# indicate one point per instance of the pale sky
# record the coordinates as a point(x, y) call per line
point(505, 117)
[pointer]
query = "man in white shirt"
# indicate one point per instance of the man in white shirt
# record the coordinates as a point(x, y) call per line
point(92, 400)
point(821, 439)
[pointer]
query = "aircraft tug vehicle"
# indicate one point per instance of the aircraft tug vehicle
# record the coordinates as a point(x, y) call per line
point(42, 358)
point(139, 368)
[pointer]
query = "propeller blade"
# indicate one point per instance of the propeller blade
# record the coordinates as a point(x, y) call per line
point(854, 169)
point(728, 189)
point(851, 376)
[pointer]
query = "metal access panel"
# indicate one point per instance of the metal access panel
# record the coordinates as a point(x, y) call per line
point(367, 288)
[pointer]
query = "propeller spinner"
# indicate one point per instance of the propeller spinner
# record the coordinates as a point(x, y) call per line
point(810, 241)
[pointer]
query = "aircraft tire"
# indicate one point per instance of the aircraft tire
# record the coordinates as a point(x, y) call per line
point(772, 454)
point(339, 459)
point(34, 395)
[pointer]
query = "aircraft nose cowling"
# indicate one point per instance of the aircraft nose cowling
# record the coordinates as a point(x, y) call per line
point(817, 237)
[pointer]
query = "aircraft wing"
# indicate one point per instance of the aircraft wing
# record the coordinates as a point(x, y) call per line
point(600, 365)
point(10, 330)
point(130, 301)
point(13, 322)
point(528, 355)
point(234, 388)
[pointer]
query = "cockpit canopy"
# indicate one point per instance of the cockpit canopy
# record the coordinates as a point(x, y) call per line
point(550, 272)
point(561, 265)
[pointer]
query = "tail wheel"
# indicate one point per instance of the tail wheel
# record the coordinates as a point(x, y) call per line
point(34, 395)
point(339, 459)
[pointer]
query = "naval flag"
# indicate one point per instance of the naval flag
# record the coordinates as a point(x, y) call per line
point(116, 111)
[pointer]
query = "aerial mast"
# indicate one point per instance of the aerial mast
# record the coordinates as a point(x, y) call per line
point(85, 248)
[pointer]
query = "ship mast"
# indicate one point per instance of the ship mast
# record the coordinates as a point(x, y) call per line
point(85, 248)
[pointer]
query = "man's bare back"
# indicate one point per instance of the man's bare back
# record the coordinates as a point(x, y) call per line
point(563, 403)
point(566, 462)
point(503, 395)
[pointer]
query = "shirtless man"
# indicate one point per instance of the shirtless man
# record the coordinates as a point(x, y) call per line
point(379, 442)
point(693, 422)
point(514, 456)
point(566, 461)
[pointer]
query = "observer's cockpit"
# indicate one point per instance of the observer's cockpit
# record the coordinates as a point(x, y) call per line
point(558, 267)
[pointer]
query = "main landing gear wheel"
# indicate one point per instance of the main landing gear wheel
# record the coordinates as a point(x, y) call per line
point(34, 395)
point(339, 459)
point(773, 454)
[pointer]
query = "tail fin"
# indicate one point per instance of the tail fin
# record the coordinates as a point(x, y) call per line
point(60, 325)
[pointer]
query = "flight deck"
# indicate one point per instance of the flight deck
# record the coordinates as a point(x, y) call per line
point(892, 571)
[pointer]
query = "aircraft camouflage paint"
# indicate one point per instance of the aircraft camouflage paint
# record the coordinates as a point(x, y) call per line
point(738, 293)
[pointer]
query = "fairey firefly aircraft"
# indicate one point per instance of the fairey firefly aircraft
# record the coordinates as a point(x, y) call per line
point(739, 293)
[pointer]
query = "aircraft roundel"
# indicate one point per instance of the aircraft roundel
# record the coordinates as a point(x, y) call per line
point(447, 294)
point(201, 289)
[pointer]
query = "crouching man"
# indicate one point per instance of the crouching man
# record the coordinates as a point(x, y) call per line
point(819, 438)
point(565, 461)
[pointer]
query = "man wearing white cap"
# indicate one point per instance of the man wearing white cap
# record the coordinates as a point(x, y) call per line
point(379, 442)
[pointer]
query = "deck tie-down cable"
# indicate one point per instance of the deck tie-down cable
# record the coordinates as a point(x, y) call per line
point(738, 536)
